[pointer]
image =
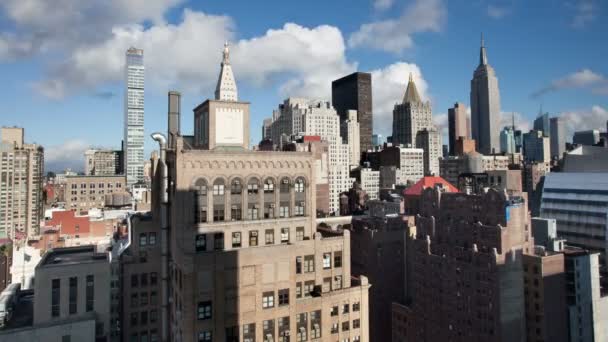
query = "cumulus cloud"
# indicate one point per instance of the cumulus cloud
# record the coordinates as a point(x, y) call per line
point(388, 87)
point(584, 78)
point(584, 119)
point(70, 154)
point(381, 5)
point(521, 122)
point(395, 35)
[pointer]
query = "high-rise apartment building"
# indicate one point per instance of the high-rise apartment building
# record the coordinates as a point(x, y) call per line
point(458, 125)
point(429, 140)
point(350, 133)
point(537, 147)
point(557, 137)
point(21, 180)
point(370, 183)
point(355, 92)
point(103, 162)
point(411, 116)
point(248, 262)
point(467, 268)
point(485, 106)
point(134, 117)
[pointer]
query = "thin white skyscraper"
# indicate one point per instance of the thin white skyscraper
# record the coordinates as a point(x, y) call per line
point(485, 106)
point(134, 117)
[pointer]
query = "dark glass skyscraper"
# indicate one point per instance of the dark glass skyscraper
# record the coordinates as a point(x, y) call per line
point(355, 92)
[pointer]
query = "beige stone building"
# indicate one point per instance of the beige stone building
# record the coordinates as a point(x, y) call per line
point(21, 181)
point(247, 262)
point(86, 192)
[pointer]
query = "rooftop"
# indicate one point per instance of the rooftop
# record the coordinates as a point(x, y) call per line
point(428, 182)
point(71, 255)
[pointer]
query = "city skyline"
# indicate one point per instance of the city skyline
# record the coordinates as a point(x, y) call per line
point(82, 81)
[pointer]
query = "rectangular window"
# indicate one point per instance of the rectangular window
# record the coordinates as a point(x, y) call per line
point(299, 210)
point(134, 280)
point(236, 239)
point(204, 310)
point(253, 238)
point(309, 288)
point(200, 242)
point(299, 233)
point(252, 189)
point(152, 239)
point(205, 336)
point(283, 297)
point(337, 259)
point(90, 292)
point(326, 284)
point(218, 189)
point(143, 299)
point(153, 316)
point(249, 332)
point(298, 265)
point(309, 264)
point(345, 326)
point(345, 308)
point(218, 241)
point(283, 211)
point(218, 215)
point(144, 279)
point(153, 298)
point(268, 330)
point(269, 236)
point(73, 295)
point(334, 310)
point(298, 290)
point(284, 235)
point(143, 239)
point(356, 306)
point(153, 278)
point(268, 300)
point(236, 214)
point(134, 300)
point(55, 297)
point(269, 211)
point(334, 328)
point(326, 260)
point(252, 213)
point(356, 324)
point(337, 282)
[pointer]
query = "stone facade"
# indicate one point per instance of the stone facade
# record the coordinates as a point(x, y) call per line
point(86, 192)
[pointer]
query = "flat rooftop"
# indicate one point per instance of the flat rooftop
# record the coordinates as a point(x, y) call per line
point(72, 255)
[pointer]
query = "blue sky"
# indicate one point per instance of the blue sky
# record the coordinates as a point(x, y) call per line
point(61, 63)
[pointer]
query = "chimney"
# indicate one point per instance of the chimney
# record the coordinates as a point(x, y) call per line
point(174, 110)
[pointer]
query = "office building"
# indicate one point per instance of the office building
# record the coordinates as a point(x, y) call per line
point(541, 123)
point(411, 116)
point(507, 140)
point(103, 162)
point(533, 175)
point(267, 129)
point(537, 147)
point(586, 159)
point(557, 137)
point(467, 268)
point(354, 92)
point(370, 183)
point(590, 137)
point(134, 117)
point(429, 140)
point(21, 171)
point(473, 162)
point(84, 193)
point(248, 261)
point(350, 133)
point(464, 146)
point(458, 125)
point(485, 106)
point(378, 140)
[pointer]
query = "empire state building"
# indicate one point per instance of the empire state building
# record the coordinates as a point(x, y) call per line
point(485, 106)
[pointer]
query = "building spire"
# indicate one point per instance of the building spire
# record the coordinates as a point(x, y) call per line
point(226, 54)
point(483, 58)
point(411, 93)
point(226, 85)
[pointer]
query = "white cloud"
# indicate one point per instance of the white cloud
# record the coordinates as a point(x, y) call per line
point(584, 119)
point(70, 154)
point(395, 35)
point(521, 122)
point(497, 12)
point(581, 79)
point(381, 5)
point(388, 87)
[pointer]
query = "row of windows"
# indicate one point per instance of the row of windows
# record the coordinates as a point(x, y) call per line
point(200, 240)
point(98, 185)
point(309, 262)
point(236, 186)
point(143, 317)
point(72, 295)
point(142, 279)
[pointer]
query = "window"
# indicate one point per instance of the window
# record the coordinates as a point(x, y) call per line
point(284, 235)
point(143, 317)
point(309, 288)
point(345, 308)
point(299, 185)
point(236, 239)
point(218, 214)
point(236, 187)
point(73, 295)
point(90, 292)
point(134, 318)
point(252, 213)
point(356, 306)
point(232, 334)
point(269, 211)
point(299, 210)
point(249, 332)
point(326, 284)
point(284, 211)
point(134, 300)
point(268, 186)
point(298, 290)
point(252, 188)
point(309, 263)
point(334, 310)
point(143, 337)
point(356, 324)
point(268, 300)
point(326, 260)
point(283, 297)
point(144, 279)
point(345, 326)
point(153, 335)
point(152, 239)
point(218, 189)
point(143, 239)
point(253, 238)
point(153, 278)
point(337, 259)
point(284, 329)
point(200, 242)
point(269, 236)
point(55, 294)
point(337, 282)
point(153, 316)
point(153, 298)
point(301, 324)
point(268, 330)
point(201, 214)
point(204, 310)
point(299, 233)
point(298, 265)
point(236, 213)
point(143, 299)
point(218, 241)
point(334, 328)
point(204, 336)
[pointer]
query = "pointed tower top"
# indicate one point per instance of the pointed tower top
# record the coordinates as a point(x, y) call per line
point(411, 93)
point(226, 85)
point(483, 58)
point(226, 53)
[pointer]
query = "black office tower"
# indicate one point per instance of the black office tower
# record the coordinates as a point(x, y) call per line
point(355, 92)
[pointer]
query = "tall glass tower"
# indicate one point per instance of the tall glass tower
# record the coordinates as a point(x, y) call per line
point(134, 117)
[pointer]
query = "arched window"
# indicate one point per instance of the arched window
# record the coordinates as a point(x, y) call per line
point(200, 201)
point(236, 201)
point(218, 200)
point(299, 186)
point(268, 185)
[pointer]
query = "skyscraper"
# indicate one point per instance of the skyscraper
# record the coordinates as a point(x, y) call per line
point(355, 92)
point(557, 136)
point(350, 133)
point(134, 117)
point(458, 125)
point(411, 116)
point(507, 140)
point(430, 141)
point(21, 173)
point(541, 123)
point(485, 106)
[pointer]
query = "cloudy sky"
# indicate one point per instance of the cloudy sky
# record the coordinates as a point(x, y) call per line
point(62, 61)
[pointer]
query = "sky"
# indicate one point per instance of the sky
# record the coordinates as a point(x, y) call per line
point(62, 61)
